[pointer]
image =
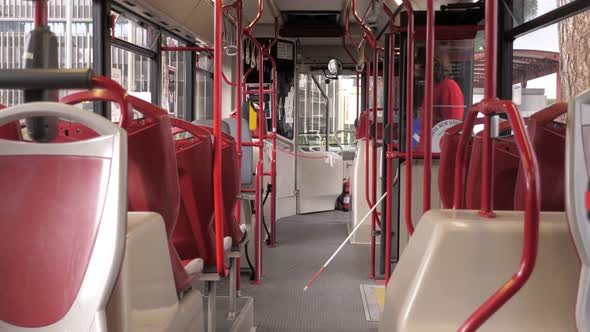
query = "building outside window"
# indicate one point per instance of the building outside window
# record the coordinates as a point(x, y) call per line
point(70, 20)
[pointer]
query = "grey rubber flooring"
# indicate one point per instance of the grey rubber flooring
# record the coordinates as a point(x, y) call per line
point(333, 303)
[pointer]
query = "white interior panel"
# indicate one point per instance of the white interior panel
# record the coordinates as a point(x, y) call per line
point(319, 181)
point(456, 260)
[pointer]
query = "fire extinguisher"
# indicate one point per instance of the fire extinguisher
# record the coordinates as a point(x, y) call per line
point(346, 196)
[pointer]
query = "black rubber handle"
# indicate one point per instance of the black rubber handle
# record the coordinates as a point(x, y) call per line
point(42, 79)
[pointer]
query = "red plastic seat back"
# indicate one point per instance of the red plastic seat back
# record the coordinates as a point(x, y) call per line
point(73, 131)
point(194, 235)
point(364, 126)
point(446, 171)
point(52, 229)
point(548, 141)
point(152, 173)
point(62, 225)
point(506, 164)
point(231, 186)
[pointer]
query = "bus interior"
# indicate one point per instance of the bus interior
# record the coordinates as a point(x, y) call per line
point(294, 166)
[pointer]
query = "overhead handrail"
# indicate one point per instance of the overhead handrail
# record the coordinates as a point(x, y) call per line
point(368, 33)
point(489, 108)
point(252, 24)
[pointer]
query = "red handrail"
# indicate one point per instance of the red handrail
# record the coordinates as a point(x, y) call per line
point(111, 91)
point(368, 33)
point(489, 107)
point(249, 27)
point(217, 145)
point(550, 113)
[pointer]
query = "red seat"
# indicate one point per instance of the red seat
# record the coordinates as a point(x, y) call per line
point(231, 186)
point(194, 235)
point(548, 141)
point(363, 126)
point(152, 171)
point(506, 164)
point(62, 225)
point(448, 154)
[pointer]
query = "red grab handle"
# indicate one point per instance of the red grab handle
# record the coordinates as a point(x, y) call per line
point(490, 107)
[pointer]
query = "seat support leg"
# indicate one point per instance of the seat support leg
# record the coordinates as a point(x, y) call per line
point(211, 306)
point(231, 314)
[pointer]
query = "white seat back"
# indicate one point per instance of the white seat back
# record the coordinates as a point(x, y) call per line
point(62, 222)
point(577, 177)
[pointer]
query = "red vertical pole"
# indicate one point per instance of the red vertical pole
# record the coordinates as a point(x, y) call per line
point(374, 157)
point(261, 120)
point(257, 225)
point(487, 180)
point(273, 165)
point(239, 64)
point(427, 121)
point(217, 104)
point(491, 49)
point(491, 34)
point(389, 181)
point(409, 116)
point(40, 14)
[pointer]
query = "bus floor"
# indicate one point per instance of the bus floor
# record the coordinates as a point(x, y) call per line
point(333, 303)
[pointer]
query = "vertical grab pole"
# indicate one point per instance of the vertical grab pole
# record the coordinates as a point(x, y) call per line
point(260, 165)
point(40, 13)
point(239, 63)
point(260, 174)
point(409, 115)
point(389, 155)
point(217, 153)
point(491, 53)
point(372, 41)
point(273, 165)
point(374, 157)
point(427, 121)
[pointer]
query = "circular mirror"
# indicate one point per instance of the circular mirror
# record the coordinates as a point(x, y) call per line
point(335, 67)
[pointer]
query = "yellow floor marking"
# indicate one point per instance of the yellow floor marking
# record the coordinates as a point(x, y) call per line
point(380, 296)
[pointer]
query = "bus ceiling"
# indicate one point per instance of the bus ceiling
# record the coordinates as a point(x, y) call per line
point(305, 19)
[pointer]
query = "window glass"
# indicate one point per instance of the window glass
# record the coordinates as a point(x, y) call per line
point(173, 78)
point(73, 31)
point(312, 113)
point(526, 10)
point(453, 87)
point(133, 72)
point(135, 32)
point(551, 64)
point(203, 95)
